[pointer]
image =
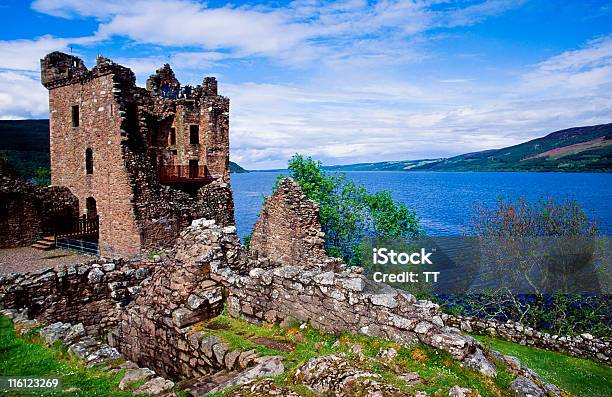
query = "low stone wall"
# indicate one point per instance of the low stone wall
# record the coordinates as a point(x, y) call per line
point(334, 298)
point(88, 293)
point(26, 210)
point(584, 345)
point(156, 329)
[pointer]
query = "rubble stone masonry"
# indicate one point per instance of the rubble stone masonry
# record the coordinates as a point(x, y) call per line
point(583, 345)
point(89, 293)
point(288, 229)
point(26, 210)
point(155, 330)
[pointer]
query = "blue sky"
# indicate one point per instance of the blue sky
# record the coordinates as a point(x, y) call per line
point(346, 81)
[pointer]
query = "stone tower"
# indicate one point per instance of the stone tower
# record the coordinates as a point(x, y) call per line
point(144, 161)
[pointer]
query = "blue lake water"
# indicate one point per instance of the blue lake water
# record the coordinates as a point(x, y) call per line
point(445, 200)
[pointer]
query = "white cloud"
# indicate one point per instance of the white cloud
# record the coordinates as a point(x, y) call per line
point(25, 54)
point(303, 31)
point(342, 120)
point(22, 96)
point(475, 13)
point(76, 8)
point(585, 71)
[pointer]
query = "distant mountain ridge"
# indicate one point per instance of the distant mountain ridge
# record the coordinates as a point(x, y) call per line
point(578, 149)
point(25, 144)
point(236, 169)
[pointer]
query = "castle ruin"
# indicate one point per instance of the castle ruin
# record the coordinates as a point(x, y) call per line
point(143, 162)
point(151, 165)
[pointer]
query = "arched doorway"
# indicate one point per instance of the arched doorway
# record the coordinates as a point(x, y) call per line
point(90, 208)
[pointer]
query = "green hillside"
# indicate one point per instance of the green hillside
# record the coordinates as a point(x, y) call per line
point(25, 144)
point(236, 169)
point(580, 149)
point(382, 166)
point(571, 150)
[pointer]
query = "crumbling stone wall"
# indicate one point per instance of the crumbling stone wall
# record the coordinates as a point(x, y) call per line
point(155, 329)
point(163, 212)
point(287, 283)
point(336, 298)
point(584, 345)
point(288, 228)
point(28, 211)
point(127, 128)
point(87, 293)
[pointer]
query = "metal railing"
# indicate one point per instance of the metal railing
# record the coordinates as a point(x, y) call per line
point(82, 246)
point(83, 226)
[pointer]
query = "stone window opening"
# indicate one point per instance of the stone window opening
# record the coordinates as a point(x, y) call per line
point(91, 209)
point(75, 115)
point(89, 161)
point(172, 136)
point(194, 134)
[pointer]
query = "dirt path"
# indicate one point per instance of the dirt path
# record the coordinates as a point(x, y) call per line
point(26, 259)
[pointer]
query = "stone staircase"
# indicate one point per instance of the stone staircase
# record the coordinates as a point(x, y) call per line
point(47, 243)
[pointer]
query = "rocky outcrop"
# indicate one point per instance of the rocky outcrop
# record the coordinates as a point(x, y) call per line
point(335, 375)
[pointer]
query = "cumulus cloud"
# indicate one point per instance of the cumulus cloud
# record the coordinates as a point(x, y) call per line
point(22, 96)
point(305, 30)
point(25, 54)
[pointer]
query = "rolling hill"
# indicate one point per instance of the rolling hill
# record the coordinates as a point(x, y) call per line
point(383, 166)
point(580, 149)
point(25, 144)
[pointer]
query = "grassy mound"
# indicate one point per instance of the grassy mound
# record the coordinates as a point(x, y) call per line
point(579, 376)
point(437, 369)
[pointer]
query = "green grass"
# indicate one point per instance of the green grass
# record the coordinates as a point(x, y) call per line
point(26, 356)
point(581, 377)
point(438, 369)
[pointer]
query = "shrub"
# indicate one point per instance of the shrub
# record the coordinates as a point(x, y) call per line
point(541, 266)
point(42, 176)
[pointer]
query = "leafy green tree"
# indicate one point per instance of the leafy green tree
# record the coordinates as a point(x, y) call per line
point(348, 213)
